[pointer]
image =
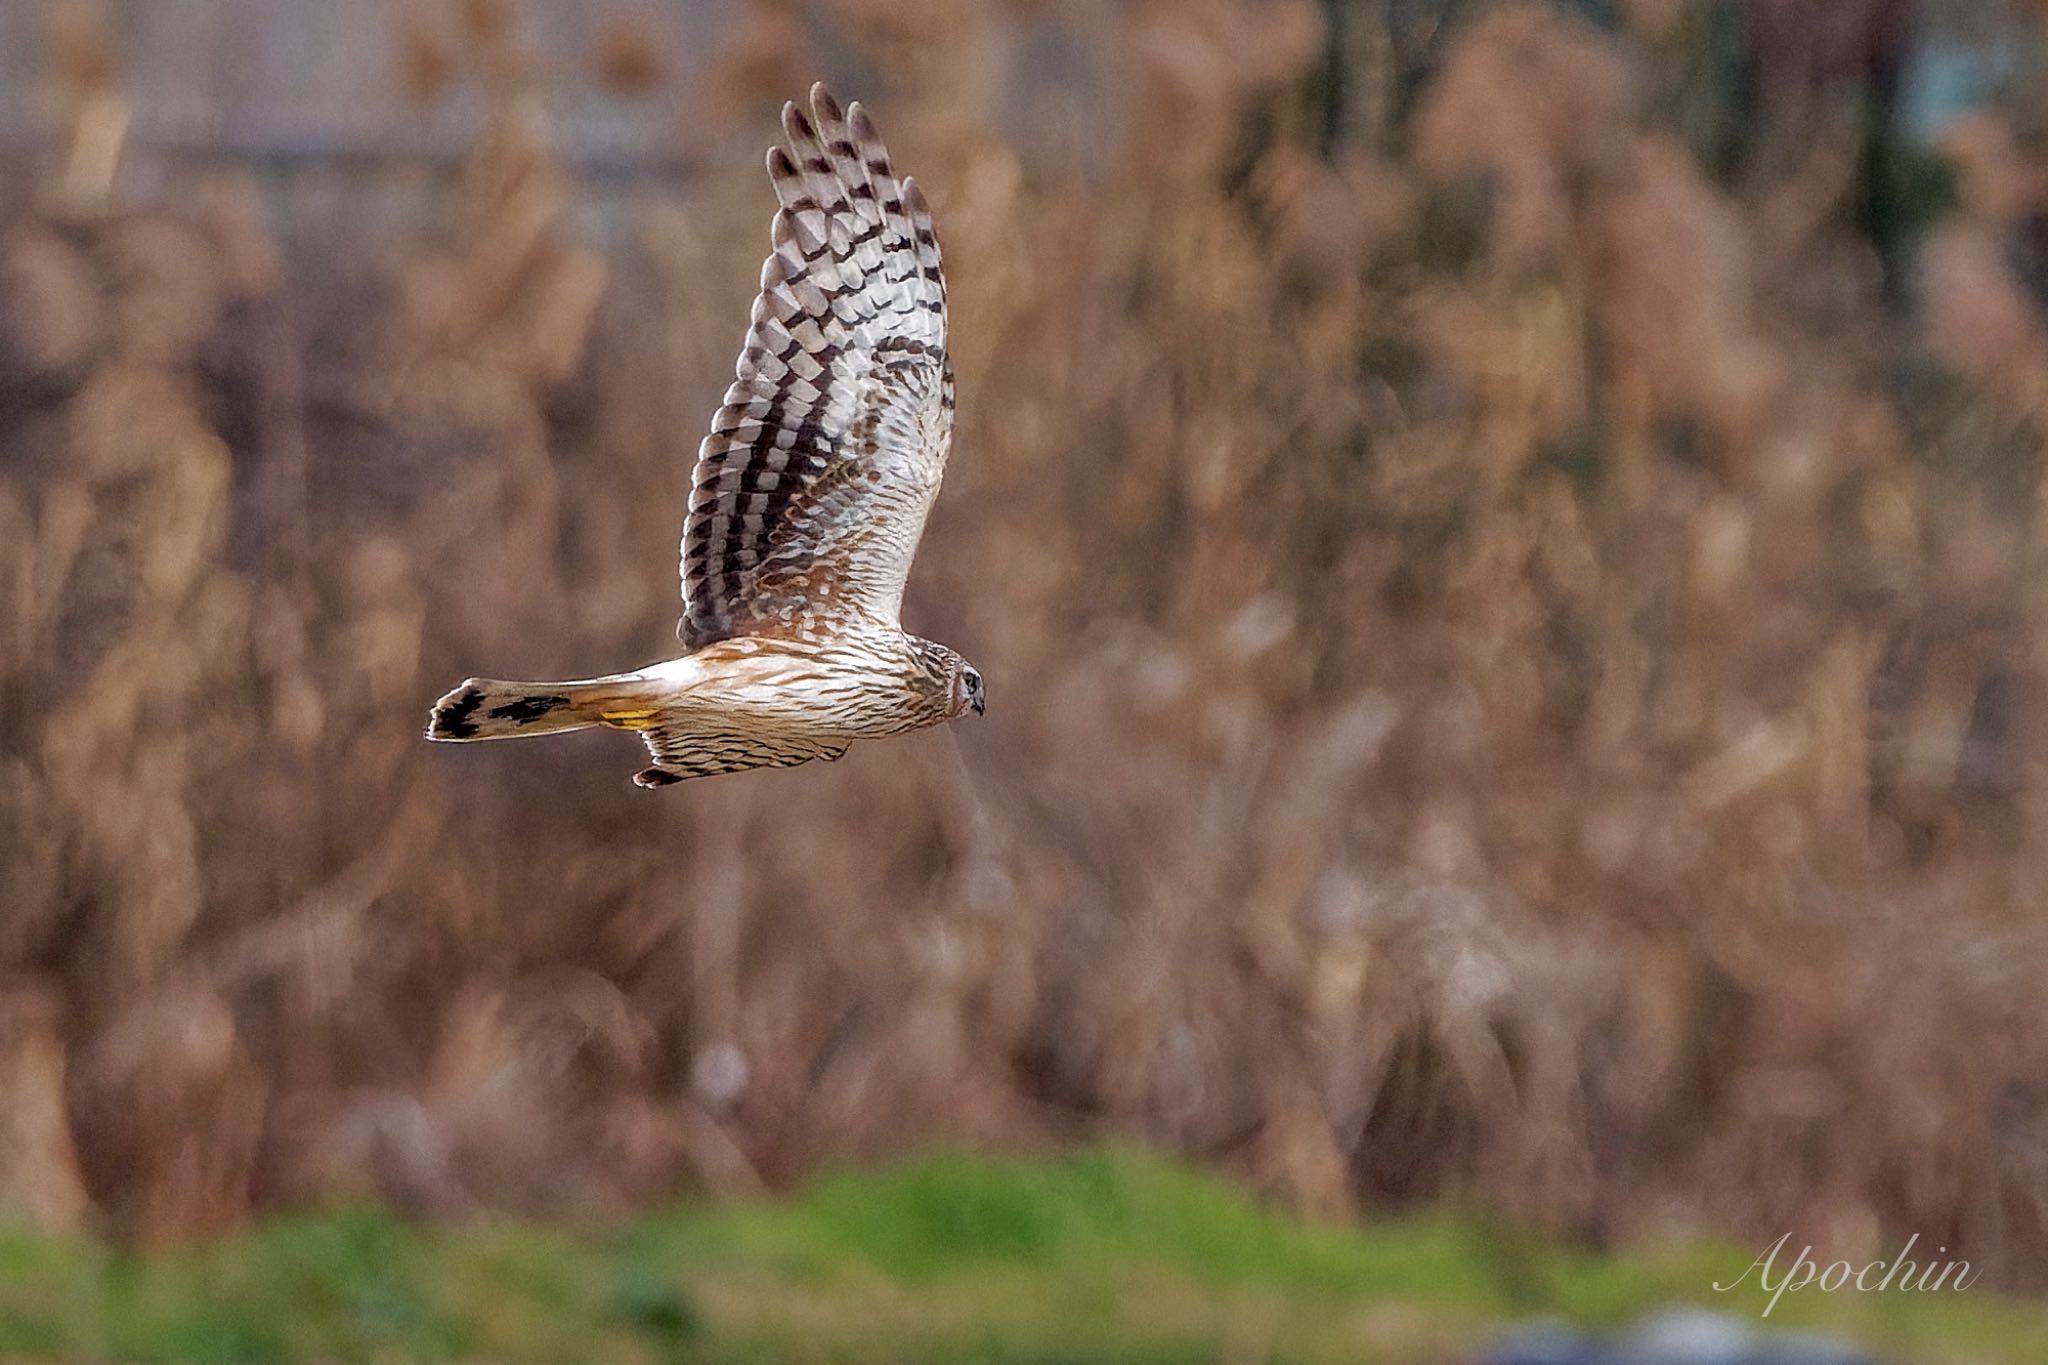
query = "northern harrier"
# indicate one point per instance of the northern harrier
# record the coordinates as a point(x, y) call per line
point(809, 496)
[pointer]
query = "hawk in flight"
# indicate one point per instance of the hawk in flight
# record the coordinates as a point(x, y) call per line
point(808, 499)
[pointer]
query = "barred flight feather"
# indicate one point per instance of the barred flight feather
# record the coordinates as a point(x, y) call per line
point(810, 492)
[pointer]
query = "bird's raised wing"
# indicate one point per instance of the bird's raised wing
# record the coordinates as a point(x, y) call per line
point(811, 491)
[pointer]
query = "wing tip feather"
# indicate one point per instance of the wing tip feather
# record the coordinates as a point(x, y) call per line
point(864, 135)
point(796, 123)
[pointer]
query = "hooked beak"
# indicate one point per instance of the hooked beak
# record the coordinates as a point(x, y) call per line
point(980, 705)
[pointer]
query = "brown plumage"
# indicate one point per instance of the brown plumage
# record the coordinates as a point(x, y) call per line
point(808, 500)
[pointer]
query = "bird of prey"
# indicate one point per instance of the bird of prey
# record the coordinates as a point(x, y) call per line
point(808, 499)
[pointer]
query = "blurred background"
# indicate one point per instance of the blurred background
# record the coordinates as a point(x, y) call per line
point(1506, 540)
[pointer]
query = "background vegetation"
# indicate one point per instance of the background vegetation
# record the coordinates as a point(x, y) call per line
point(1505, 539)
point(946, 1260)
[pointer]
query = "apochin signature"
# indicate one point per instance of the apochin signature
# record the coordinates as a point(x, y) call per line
point(1874, 1277)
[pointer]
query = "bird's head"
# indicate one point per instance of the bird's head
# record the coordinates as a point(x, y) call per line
point(954, 681)
point(968, 693)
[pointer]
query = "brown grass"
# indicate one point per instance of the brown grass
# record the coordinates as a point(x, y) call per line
point(1513, 667)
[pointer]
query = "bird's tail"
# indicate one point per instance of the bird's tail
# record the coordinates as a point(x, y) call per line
point(485, 708)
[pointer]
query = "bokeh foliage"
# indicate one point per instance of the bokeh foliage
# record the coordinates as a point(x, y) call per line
point(946, 1259)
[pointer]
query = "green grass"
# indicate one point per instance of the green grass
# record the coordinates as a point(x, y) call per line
point(1104, 1256)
